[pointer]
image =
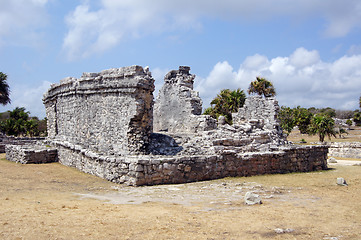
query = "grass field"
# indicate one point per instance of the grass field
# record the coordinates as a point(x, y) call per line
point(354, 135)
point(51, 201)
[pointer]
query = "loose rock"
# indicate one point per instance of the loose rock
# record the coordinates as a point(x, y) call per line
point(341, 181)
point(252, 198)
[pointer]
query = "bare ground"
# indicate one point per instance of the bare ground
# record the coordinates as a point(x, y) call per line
point(51, 201)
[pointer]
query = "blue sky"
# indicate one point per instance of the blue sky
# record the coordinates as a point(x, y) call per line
point(309, 49)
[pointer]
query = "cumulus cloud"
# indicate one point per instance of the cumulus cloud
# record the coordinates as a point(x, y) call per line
point(29, 97)
point(94, 31)
point(20, 20)
point(300, 79)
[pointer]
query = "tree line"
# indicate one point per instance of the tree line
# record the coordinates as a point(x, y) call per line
point(229, 101)
point(18, 122)
point(311, 121)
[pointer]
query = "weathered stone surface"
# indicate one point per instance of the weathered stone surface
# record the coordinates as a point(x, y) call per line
point(341, 181)
point(251, 198)
point(281, 231)
point(110, 111)
point(10, 140)
point(178, 107)
point(345, 149)
point(261, 112)
point(33, 153)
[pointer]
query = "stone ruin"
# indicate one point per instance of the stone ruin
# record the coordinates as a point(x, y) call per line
point(105, 124)
point(178, 107)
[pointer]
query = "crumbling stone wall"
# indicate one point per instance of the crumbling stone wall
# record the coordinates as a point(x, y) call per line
point(178, 107)
point(345, 149)
point(150, 169)
point(110, 111)
point(264, 110)
point(262, 114)
point(192, 168)
point(33, 153)
point(10, 140)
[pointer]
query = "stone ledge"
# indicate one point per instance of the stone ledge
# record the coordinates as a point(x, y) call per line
point(154, 169)
point(27, 154)
point(116, 80)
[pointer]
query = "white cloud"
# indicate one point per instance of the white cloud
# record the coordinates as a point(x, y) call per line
point(29, 97)
point(95, 31)
point(301, 57)
point(20, 20)
point(300, 79)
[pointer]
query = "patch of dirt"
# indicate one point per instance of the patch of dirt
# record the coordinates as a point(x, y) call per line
point(51, 201)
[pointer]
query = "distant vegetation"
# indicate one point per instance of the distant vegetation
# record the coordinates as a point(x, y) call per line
point(229, 101)
point(19, 123)
point(4, 89)
point(313, 121)
point(317, 120)
point(262, 87)
point(226, 103)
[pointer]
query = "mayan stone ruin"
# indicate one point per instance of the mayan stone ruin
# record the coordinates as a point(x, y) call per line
point(107, 124)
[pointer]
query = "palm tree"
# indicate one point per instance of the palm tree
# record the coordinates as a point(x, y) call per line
point(4, 89)
point(226, 103)
point(262, 86)
point(323, 126)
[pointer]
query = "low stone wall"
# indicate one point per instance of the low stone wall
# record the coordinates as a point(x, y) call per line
point(345, 149)
point(26, 154)
point(151, 169)
point(8, 140)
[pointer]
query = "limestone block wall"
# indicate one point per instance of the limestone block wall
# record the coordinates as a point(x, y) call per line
point(150, 170)
point(26, 154)
point(178, 107)
point(345, 149)
point(258, 108)
point(199, 167)
point(109, 112)
point(10, 140)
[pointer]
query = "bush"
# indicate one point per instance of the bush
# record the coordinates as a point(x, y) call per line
point(349, 122)
point(322, 125)
point(226, 103)
point(357, 118)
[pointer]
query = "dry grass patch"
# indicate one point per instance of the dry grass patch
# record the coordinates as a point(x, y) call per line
point(41, 202)
point(354, 135)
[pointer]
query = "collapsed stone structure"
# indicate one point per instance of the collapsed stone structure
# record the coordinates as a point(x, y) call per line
point(102, 123)
point(345, 149)
point(34, 153)
point(178, 107)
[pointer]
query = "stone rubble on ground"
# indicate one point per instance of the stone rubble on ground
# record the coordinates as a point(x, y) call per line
point(251, 198)
point(281, 231)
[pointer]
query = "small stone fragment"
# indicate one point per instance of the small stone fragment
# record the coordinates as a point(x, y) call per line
point(221, 120)
point(280, 230)
point(332, 160)
point(341, 181)
point(251, 198)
